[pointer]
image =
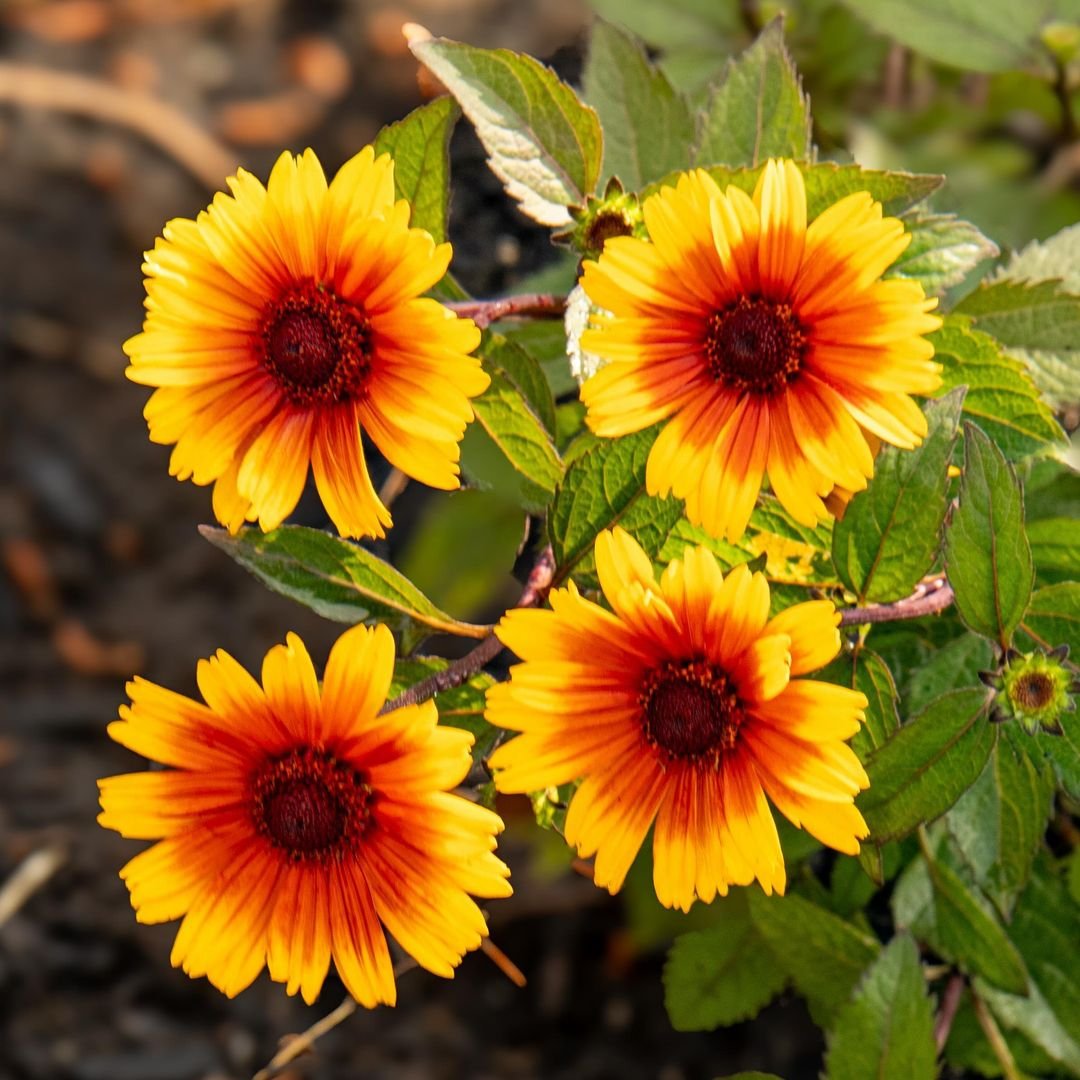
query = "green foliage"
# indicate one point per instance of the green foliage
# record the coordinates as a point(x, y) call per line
point(758, 109)
point(461, 706)
point(886, 1030)
point(1001, 398)
point(938, 907)
point(339, 580)
point(986, 550)
point(420, 147)
point(723, 974)
point(975, 35)
point(944, 249)
point(889, 535)
point(824, 954)
point(648, 126)
point(542, 142)
point(864, 670)
point(927, 764)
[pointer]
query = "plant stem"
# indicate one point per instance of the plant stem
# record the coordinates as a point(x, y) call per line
point(462, 670)
point(929, 598)
point(950, 1002)
point(996, 1040)
point(485, 312)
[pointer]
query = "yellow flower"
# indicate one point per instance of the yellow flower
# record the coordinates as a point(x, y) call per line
point(771, 345)
point(285, 320)
point(679, 705)
point(296, 821)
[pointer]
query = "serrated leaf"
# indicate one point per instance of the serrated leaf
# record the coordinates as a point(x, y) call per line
point(987, 555)
point(887, 1029)
point(888, 538)
point(827, 183)
point(1035, 1018)
point(460, 706)
point(927, 764)
point(933, 902)
point(542, 142)
point(864, 670)
point(943, 250)
point(974, 35)
point(1038, 322)
point(648, 127)
point(339, 580)
point(823, 954)
point(600, 489)
point(721, 975)
point(758, 109)
point(507, 449)
point(952, 667)
point(999, 822)
point(420, 145)
point(967, 1047)
point(524, 371)
point(1001, 397)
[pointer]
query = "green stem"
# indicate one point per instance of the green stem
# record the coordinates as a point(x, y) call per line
point(996, 1040)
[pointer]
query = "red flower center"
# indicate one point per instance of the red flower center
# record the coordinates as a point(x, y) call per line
point(690, 709)
point(311, 804)
point(755, 345)
point(316, 347)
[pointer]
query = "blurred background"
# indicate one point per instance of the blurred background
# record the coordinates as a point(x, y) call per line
point(116, 115)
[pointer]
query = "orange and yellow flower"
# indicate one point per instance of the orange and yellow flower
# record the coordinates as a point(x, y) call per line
point(283, 322)
point(680, 706)
point(296, 823)
point(769, 345)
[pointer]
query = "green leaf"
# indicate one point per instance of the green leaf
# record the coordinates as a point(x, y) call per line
point(461, 706)
point(648, 127)
point(721, 975)
point(545, 341)
point(338, 580)
point(420, 147)
point(932, 901)
point(864, 670)
point(887, 1029)
point(524, 371)
point(1053, 616)
point(1055, 547)
point(974, 35)
point(824, 955)
point(987, 554)
point(604, 487)
point(1037, 1019)
point(1039, 322)
point(827, 183)
point(952, 667)
point(507, 449)
point(944, 249)
point(927, 764)
point(758, 109)
point(1056, 257)
point(542, 142)
point(1001, 398)
point(888, 538)
point(999, 822)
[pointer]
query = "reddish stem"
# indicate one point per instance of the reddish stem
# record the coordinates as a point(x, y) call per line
point(485, 312)
point(929, 598)
point(462, 670)
point(950, 1002)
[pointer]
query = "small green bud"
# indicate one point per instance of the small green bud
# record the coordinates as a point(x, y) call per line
point(1033, 689)
point(615, 213)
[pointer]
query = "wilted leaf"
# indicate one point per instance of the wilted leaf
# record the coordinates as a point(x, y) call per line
point(339, 580)
point(541, 141)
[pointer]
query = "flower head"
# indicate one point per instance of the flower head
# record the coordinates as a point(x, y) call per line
point(1033, 689)
point(770, 346)
point(679, 705)
point(285, 320)
point(295, 821)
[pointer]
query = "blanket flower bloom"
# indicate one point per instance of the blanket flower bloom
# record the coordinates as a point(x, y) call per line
point(285, 320)
point(679, 705)
point(768, 345)
point(296, 823)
